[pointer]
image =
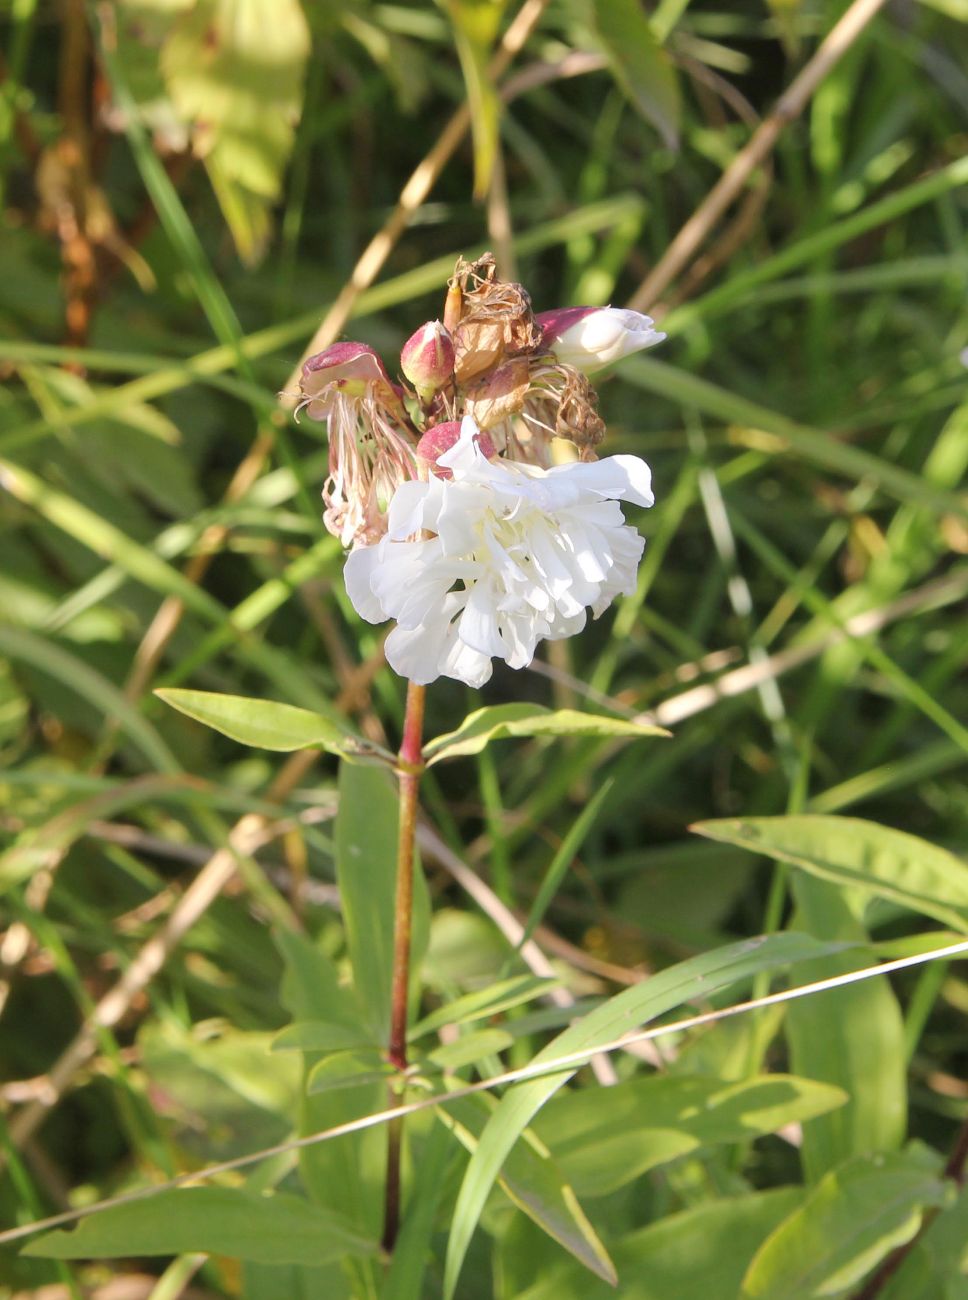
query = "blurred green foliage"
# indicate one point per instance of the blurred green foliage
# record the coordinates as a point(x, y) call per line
point(186, 186)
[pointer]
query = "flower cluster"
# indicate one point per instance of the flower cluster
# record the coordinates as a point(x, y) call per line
point(462, 528)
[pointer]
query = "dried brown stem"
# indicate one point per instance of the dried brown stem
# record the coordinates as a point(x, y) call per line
point(413, 194)
point(730, 185)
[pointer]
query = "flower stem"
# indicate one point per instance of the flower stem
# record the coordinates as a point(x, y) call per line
point(409, 770)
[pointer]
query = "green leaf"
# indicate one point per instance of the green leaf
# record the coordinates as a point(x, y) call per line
point(347, 1175)
point(500, 721)
point(348, 1070)
point(851, 1036)
point(699, 977)
point(320, 1036)
point(476, 24)
point(854, 1217)
point(563, 859)
point(234, 70)
point(534, 1183)
point(603, 1140)
point(470, 1048)
point(412, 1253)
point(267, 724)
point(678, 1257)
point(640, 65)
point(366, 870)
point(277, 1229)
point(901, 867)
point(937, 1261)
point(483, 1003)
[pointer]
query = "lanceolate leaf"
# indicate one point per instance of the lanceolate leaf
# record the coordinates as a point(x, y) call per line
point(267, 724)
point(699, 977)
point(640, 65)
point(482, 1003)
point(852, 1037)
point(278, 1229)
point(901, 867)
point(366, 869)
point(535, 1184)
point(476, 24)
point(504, 720)
point(677, 1257)
point(603, 1140)
point(234, 71)
point(854, 1217)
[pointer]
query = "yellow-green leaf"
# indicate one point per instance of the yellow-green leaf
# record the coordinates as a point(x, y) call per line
point(849, 851)
point(268, 724)
point(505, 720)
point(639, 64)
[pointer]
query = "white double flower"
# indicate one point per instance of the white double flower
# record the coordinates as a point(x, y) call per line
point(498, 557)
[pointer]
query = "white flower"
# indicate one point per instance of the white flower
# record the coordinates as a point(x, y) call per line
point(591, 337)
point(506, 555)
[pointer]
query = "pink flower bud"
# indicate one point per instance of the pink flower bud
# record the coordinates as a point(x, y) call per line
point(591, 337)
point(351, 369)
point(427, 358)
point(440, 439)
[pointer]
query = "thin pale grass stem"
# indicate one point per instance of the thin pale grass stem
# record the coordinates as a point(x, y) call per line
point(932, 595)
point(558, 1065)
point(729, 186)
point(509, 925)
point(738, 681)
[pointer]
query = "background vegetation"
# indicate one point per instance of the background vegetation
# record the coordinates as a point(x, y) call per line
point(186, 187)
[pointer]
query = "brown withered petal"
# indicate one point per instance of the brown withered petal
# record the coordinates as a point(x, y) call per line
point(577, 418)
point(498, 394)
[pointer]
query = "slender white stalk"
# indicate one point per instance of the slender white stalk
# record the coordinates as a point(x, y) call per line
point(568, 1062)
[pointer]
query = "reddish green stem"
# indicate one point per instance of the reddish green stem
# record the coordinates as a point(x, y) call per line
point(409, 770)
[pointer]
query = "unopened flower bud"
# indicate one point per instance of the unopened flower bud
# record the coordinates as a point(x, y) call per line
point(591, 337)
point(427, 358)
point(441, 438)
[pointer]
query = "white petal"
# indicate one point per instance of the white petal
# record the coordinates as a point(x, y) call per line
point(405, 516)
point(478, 627)
point(466, 665)
point(358, 571)
point(626, 477)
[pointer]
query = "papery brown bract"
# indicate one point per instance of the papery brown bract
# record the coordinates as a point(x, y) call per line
point(496, 320)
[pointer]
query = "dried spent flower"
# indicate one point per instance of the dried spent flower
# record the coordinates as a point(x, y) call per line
point(496, 320)
point(499, 393)
point(370, 444)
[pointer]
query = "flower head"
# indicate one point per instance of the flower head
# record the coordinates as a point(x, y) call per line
point(591, 337)
point(487, 564)
point(370, 447)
